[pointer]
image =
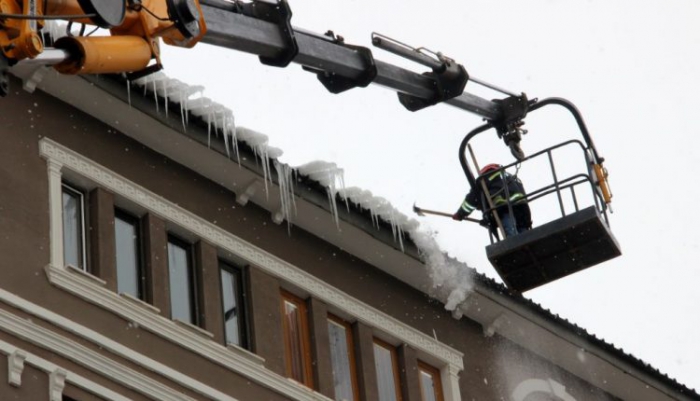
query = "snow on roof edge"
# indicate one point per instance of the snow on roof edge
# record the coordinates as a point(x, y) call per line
point(451, 279)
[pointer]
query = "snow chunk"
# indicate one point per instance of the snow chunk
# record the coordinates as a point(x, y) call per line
point(452, 279)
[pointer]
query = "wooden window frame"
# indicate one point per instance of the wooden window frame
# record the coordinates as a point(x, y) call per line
point(82, 196)
point(395, 365)
point(192, 276)
point(241, 299)
point(437, 380)
point(305, 338)
point(141, 271)
point(351, 354)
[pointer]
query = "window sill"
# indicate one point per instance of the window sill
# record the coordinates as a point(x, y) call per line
point(239, 351)
point(76, 270)
point(139, 302)
point(194, 329)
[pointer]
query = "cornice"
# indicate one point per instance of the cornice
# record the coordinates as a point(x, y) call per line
point(86, 357)
point(45, 366)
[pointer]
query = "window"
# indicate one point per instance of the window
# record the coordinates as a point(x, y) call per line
point(385, 360)
point(73, 227)
point(128, 255)
point(181, 277)
point(296, 339)
point(232, 296)
point(430, 384)
point(342, 360)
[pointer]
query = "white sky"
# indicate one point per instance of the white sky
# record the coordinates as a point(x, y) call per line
point(631, 67)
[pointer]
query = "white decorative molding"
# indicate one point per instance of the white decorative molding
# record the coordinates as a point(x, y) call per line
point(32, 80)
point(195, 329)
point(73, 378)
point(95, 361)
point(87, 275)
point(15, 367)
point(161, 326)
point(139, 303)
point(540, 386)
point(57, 382)
point(55, 212)
point(243, 198)
point(171, 212)
point(255, 358)
point(496, 324)
point(277, 216)
point(449, 375)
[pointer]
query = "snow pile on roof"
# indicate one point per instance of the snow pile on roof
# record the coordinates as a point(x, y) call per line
point(451, 279)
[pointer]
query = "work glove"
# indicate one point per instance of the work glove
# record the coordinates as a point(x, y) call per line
point(459, 215)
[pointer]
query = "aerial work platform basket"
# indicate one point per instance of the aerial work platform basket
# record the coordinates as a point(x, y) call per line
point(577, 239)
point(553, 250)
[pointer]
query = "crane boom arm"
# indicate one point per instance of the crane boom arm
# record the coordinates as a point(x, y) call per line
point(229, 29)
point(260, 27)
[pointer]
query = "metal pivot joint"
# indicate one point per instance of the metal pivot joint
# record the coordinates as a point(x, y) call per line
point(336, 83)
point(449, 78)
point(279, 14)
point(514, 109)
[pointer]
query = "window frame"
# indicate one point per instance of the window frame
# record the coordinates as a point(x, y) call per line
point(127, 217)
point(306, 357)
point(242, 302)
point(333, 319)
point(191, 276)
point(394, 364)
point(434, 373)
point(80, 194)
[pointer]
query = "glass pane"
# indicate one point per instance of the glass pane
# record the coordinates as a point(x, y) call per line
point(128, 270)
point(296, 349)
point(384, 363)
point(427, 385)
point(72, 229)
point(180, 285)
point(231, 312)
point(340, 359)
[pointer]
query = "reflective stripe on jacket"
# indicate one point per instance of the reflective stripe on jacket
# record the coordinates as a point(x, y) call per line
point(497, 191)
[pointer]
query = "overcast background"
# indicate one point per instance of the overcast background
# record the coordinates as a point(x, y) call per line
point(631, 67)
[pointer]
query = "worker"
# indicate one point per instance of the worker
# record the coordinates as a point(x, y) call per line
point(495, 179)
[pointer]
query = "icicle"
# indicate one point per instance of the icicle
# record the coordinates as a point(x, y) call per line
point(165, 96)
point(286, 186)
point(234, 136)
point(155, 95)
point(183, 115)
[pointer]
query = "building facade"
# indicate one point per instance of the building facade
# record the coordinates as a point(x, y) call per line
point(142, 261)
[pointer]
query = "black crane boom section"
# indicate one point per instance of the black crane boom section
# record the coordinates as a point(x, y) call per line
point(234, 30)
